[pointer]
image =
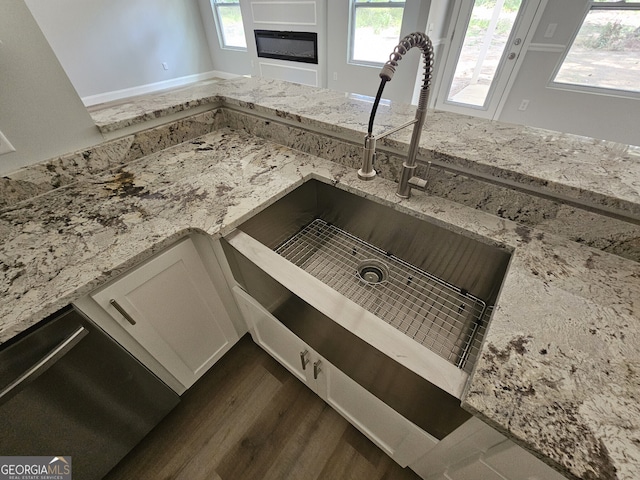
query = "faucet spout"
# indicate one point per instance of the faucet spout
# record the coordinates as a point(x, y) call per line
point(407, 178)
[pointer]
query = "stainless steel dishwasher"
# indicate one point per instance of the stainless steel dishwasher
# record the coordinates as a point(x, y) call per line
point(66, 388)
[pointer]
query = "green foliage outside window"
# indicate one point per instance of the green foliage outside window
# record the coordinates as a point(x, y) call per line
point(380, 19)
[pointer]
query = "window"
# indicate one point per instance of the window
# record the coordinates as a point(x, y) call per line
point(375, 30)
point(605, 53)
point(230, 26)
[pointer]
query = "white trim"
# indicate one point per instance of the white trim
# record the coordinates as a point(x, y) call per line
point(594, 90)
point(439, 41)
point(528, 17)
point(614, 6)
point(547, 47)
point(353, 9)
point(152, 87)
point(220, 27)
point(283, 66)
point(276, 22)
point(526, 47)
point(591, 89)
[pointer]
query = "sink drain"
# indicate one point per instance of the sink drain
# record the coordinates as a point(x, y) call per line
point(372, 272)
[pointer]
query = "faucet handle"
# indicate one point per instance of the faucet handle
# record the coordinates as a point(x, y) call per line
point(408, 180)
point(421, 183)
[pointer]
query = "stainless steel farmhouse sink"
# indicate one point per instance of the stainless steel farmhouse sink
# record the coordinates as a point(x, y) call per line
point(339, 270)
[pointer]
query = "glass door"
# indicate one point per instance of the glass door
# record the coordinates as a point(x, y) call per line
point(487, 39)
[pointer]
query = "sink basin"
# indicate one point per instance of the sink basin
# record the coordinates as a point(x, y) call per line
point(340, 270)
point(436, 285)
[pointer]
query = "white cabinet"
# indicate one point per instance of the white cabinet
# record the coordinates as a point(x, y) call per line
point(515, 463)
point(506, 461)
point(395, 435)
point(168, 313)
point(475, 451)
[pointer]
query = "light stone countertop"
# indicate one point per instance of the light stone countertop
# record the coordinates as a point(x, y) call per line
point(559, 371)
point(597, 173)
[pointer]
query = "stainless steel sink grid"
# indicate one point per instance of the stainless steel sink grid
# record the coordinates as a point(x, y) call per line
point(442, 317)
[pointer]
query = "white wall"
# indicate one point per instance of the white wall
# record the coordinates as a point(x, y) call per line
point(40, 112)
point(329, 19)
point(599, 116)
point(112, 45)
point(287, 15)
point(307, 16)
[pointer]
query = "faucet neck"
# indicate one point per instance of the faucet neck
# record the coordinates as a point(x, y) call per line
point(423, 99)
point(416, 39)
point(367, 172)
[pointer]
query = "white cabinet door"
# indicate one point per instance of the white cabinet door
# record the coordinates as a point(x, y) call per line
point(395, 435)
point(468, 441)
point(473, 470)
point(515, 463)
point(171, 308)
point(475, 451)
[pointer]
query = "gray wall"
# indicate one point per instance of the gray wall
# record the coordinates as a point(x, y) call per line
point(111, 45)
point(364, 79)
point(40, 112)
point(225, 60)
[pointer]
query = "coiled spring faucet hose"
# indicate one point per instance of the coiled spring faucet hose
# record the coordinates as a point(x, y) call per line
point(416, 39)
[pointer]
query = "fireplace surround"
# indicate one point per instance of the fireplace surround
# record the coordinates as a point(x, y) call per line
point(292, 46)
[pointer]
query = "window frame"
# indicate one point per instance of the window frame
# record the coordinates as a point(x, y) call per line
point(355, 5)
point(574, 87)
point(216, 4)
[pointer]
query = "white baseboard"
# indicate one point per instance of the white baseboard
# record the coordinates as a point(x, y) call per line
point(153, 87)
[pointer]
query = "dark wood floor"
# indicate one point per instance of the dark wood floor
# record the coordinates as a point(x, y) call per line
point(248, 418)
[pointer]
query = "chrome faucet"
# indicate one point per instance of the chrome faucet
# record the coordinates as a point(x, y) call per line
point(407, 178)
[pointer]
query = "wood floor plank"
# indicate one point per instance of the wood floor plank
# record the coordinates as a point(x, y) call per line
point(208, 417)
point(221, 428)
point(309, 449)
point(356, 458)
point(346, 463)
point(258, 449)
point(248, 418)
point(197, 467)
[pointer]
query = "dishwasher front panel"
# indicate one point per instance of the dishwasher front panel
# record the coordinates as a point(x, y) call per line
point(68, 389)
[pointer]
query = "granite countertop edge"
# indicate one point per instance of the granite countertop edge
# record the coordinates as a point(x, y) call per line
point(553, 163)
